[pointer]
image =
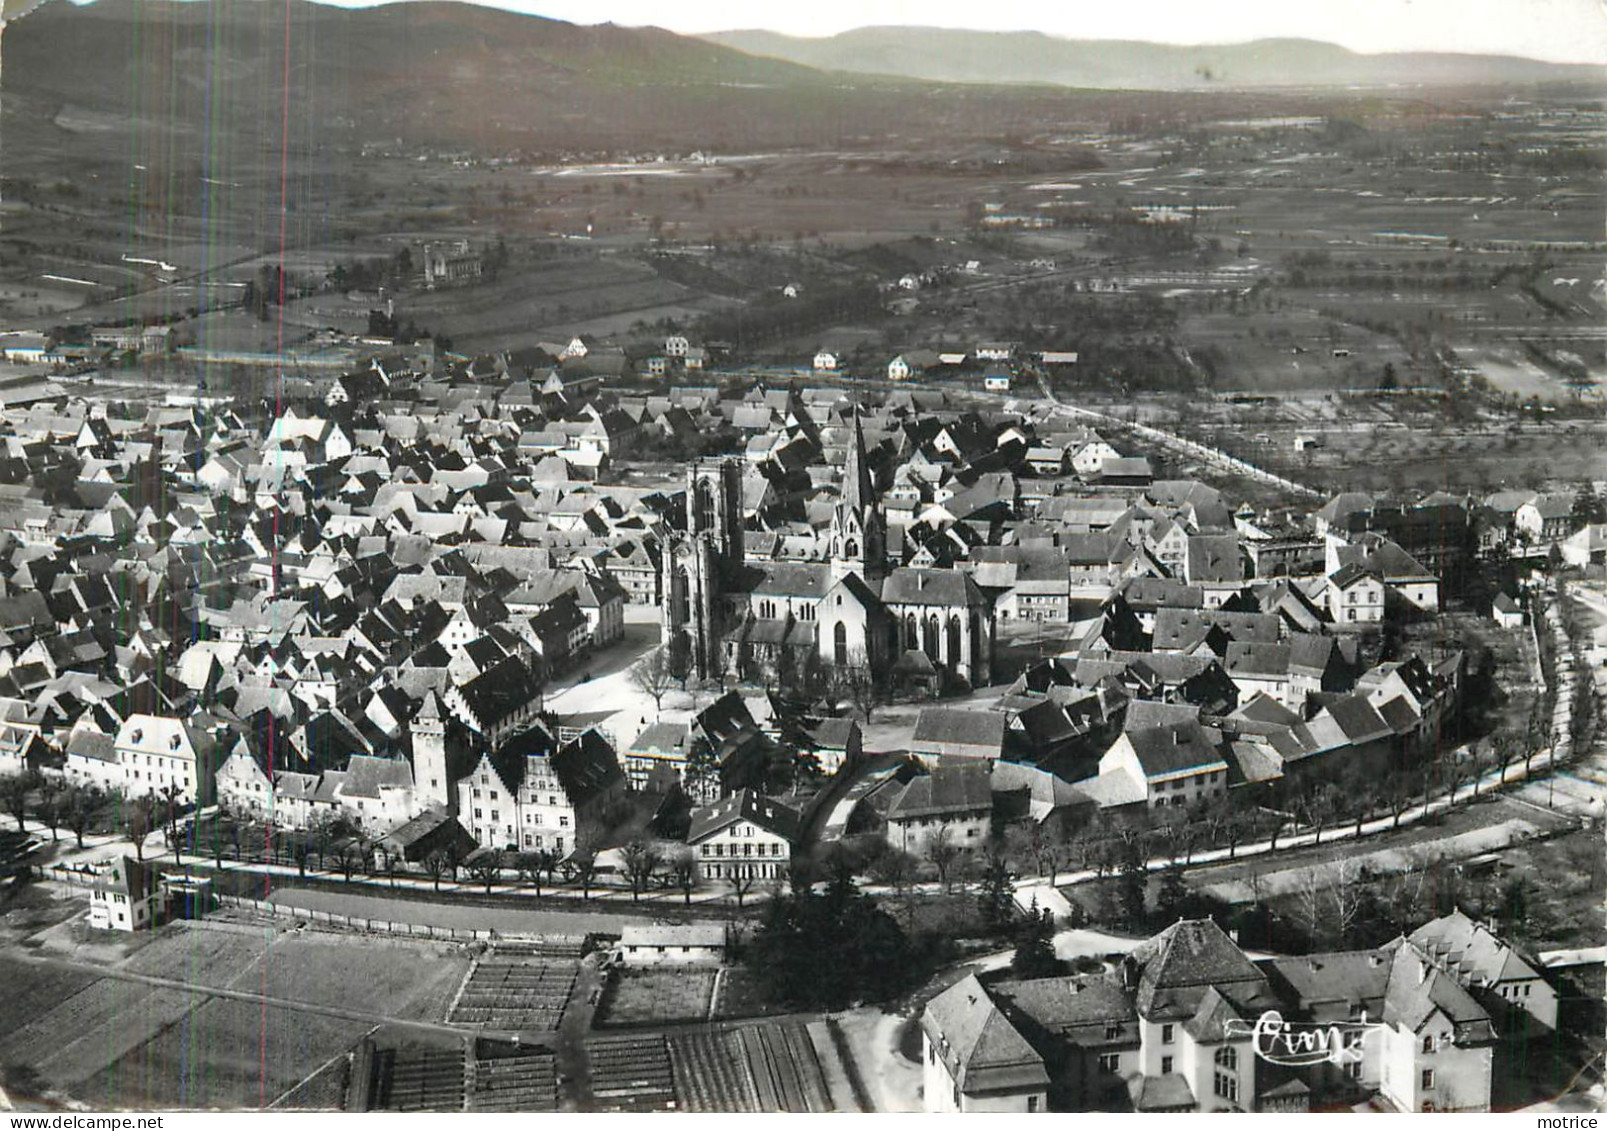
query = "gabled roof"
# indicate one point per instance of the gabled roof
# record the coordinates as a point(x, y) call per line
point(982, 1051)
point(744, 805)
point(952, 789)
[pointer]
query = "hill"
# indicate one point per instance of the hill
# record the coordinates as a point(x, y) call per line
point(947, 55)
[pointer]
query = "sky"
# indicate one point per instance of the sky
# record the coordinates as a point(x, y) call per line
point(1573, 31)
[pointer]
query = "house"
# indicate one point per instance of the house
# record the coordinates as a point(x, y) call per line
point(1506, 984)
point(1177, 764)
point(1586, 547)
point(835, 743)
point(1177, 1028)
point(1506, 612)
point(996, 380)
point(126, 896)
point(826, 361)
point(954, 801)
point(974, 1059)
point(746, 837)
point(954, 732)
point(157, 752)
point(529, 796)
point(674, 944)
point(1356, 595)
point(1545, 518)
point(912, 363)
point(432, 831)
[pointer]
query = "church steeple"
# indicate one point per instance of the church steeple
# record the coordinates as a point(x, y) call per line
point(858, 537)
point(856, 475)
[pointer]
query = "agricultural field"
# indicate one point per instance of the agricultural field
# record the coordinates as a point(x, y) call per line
point(771, 1066)
point(107, 1040)
point(651, 997)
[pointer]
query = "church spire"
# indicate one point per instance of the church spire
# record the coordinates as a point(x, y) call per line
point(856, 475)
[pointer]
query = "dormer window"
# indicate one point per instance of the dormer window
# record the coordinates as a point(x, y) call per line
point(137, 737)
point(173, 743)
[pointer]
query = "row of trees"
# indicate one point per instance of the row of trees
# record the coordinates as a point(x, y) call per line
point(82, 808)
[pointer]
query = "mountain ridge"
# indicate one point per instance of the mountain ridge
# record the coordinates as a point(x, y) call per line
point(1032, 57)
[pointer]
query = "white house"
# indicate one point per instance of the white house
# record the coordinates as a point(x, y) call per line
point(671, 944)
point(125, 897)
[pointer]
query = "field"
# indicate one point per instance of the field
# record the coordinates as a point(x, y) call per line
point(770, 1066)
point(518, 987)
point(117, 1041)
point(648, 997)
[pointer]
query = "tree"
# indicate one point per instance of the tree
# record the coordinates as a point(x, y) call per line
point(942, 853)
point(642, 859)
point(139, 821)
point(529, 866)
point(840, 930)
point(1034, 956)
point(352, 854)
point(856, 681)
point(1131, 885)
point(683, 869)
point(79, 805)
point(15, 791)
point(485, 865)
point(583, 871)
point(1174, 892)
point(652, 675)
point(996, 900)
point(171, 796)
point(436, 865)
point(742, 882)
point(49, 808)
point(679, 658)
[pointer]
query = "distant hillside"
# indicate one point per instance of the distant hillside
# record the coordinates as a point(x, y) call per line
point(429, 71)
point(1030, 57)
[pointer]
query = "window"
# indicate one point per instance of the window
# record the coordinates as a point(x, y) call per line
point(1428, 1079)
point(1225, 1086)
point(1166, 1066)
point(1353, 1069)
point(477, 814)
point(493, 795)
point(495, 816)
point(1110, 1061)
point(1227, 1057)
point(1428, 1042)
point(1113, 1030)
point(1032, 1101)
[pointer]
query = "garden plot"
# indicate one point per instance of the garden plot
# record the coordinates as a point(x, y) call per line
point(522, 990)
point(524, 1082)
point(770, 1066)
point(631, 1073)
point(418, 1078)
point(648, 997)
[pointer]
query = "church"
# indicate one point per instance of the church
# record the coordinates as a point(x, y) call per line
point(928, 628)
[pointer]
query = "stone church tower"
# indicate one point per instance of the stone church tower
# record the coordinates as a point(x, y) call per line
point(858, 531)
point(699, 566)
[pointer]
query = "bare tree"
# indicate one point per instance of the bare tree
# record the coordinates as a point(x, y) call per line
point(436, 865)
point(80, 804)
point(653, 675)
point(171, 795)
point(642, 859)
point(51, 805)
point(15, 791)
point(683, 868)
point(742, 882)
point(942, 853)
point(485, 865)
point(857, 682)
point(139, 821)
point(583, 871)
